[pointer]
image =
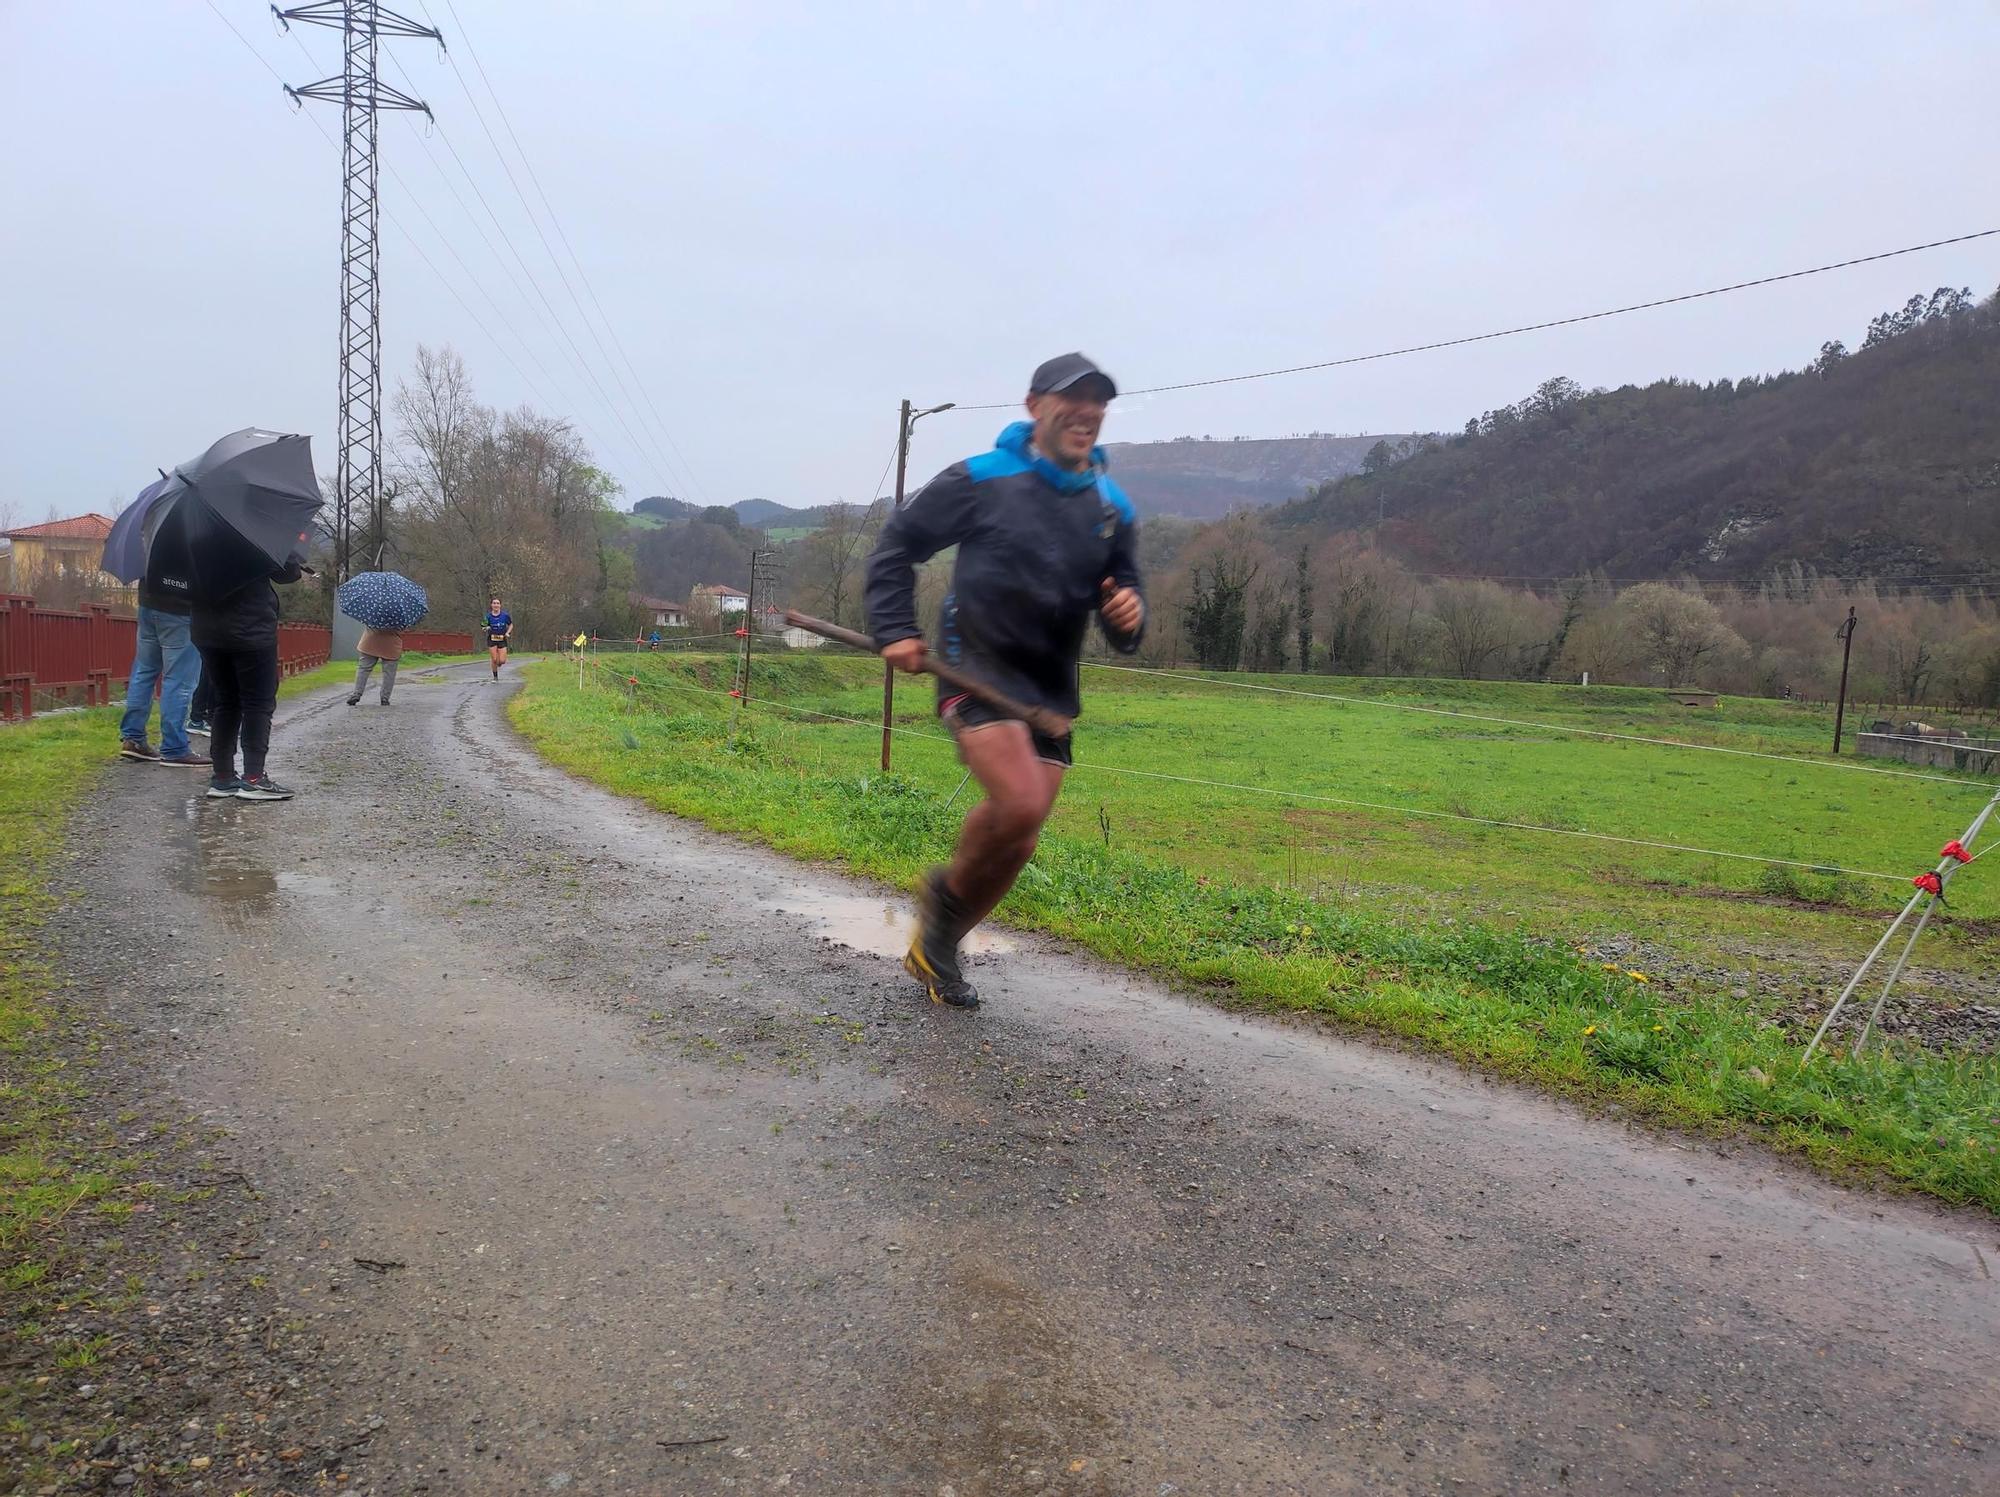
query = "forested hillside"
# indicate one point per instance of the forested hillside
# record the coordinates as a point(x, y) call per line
point(1881, 463)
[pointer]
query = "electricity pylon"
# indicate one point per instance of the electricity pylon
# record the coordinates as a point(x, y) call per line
point(361, 94)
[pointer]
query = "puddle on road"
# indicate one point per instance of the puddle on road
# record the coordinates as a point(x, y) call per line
point(223, 867)
point(873, 923)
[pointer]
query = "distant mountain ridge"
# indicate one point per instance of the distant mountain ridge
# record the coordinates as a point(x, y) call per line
point(1202, 479)
point(1187, 478)
point(759, 514)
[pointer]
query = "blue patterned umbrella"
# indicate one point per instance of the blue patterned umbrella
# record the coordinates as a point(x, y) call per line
point(383, 600)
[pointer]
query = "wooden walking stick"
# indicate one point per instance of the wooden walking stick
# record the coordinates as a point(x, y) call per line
point(1039, 718)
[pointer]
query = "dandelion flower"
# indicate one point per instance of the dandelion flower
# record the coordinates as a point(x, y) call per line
point(1638, 976)
point(1609, 966)
point(1589, 1029)
point(1658, 1027)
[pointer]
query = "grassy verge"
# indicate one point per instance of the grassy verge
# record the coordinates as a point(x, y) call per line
point(46, 766)
point(1505, 1000)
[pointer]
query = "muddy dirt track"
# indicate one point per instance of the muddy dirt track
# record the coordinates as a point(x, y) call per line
point(690, 1193)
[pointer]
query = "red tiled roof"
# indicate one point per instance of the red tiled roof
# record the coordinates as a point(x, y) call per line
point(91, 527)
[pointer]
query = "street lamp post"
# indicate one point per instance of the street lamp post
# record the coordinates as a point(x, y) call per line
point(905, 420)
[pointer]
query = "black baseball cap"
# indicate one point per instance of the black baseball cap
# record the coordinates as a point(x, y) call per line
point(1065, 371)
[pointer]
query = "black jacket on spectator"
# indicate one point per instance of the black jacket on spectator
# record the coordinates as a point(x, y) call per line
point(245, 620)
point(156, 595)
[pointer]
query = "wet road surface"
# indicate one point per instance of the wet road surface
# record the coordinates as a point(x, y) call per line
point(689, 1193)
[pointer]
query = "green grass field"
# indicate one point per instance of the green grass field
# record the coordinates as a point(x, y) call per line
point(1461, 937)
point(47, 765)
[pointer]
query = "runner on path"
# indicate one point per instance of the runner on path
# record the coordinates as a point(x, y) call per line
point(1045, 539)
point(499, 627)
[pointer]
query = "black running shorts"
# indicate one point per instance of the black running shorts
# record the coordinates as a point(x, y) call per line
point(964, 712)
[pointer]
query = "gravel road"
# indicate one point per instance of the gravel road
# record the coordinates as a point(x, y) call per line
point(597, 1153)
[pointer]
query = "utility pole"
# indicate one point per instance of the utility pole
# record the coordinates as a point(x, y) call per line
point(760, 571)
point(1845, 634)
point(361, 95)
point(906, 420)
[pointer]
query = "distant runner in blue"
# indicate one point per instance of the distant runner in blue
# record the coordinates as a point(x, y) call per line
point(499, 627)
point(1045, 540)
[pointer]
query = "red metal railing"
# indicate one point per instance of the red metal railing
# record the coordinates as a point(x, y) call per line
point(56, 657)
point(303, 647)
point(437, 642)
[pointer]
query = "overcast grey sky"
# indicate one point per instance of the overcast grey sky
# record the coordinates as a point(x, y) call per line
point(796, 214)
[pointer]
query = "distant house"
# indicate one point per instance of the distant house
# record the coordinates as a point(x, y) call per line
point(714, 597)
point(771, 621)
point(664, 615)
point(63, 555)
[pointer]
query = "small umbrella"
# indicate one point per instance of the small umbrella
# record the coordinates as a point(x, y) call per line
point(382, 600)
point(245, 508)
point(125, 548)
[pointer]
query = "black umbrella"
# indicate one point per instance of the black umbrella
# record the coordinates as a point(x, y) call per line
point(131, 537)
point(246, 509)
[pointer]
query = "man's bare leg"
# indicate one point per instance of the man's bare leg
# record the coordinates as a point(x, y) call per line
point(1000, 832)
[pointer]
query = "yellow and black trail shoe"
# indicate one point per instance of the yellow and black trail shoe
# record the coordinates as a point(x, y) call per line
point(933, 956)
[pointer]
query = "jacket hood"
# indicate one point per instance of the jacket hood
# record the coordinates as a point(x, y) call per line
point(1019, 439)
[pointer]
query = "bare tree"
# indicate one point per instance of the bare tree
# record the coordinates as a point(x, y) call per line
point(831, 559)
point(501, 504)
point(1473, 619)
point(1676, 631)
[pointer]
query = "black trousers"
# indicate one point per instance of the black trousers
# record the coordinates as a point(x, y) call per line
point(245, 687)
point(204, 700)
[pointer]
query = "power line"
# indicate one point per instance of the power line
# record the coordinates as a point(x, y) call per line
point(1768, 579)
point(417, 200)
point(576, 352)
point(1534, 327)
point(1977, 587)
point(534, 222)
point(638, 446)
point(582, 273)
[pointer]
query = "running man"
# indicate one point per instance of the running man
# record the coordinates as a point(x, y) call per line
point(499, 627)
point(1045, 539)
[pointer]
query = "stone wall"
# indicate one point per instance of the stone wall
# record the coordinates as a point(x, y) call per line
point(1976, 755)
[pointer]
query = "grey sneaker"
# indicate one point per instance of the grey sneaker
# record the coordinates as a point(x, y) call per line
point(220, 789)
point(261, 787)
point(139, 749)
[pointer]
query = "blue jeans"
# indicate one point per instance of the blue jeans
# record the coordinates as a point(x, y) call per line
point(166, 659)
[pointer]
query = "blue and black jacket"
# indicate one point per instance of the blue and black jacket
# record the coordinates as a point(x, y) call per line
point(1035, 543)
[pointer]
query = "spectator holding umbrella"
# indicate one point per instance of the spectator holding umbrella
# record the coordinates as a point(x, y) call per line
point(378, 646)
point(233, 526)
point(385, 604)
point(238, 638)
point(163, 656)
